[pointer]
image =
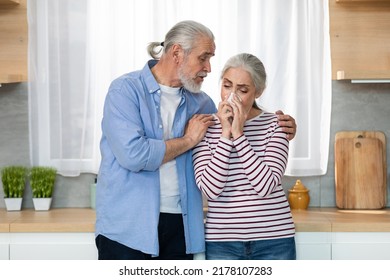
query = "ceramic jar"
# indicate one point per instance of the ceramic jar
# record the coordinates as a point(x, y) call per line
point(299, 196)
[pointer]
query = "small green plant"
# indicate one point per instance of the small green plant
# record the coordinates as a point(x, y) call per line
point(14, 181)
point(42, 181)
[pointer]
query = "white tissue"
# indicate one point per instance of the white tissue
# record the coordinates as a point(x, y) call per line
point(230, 98)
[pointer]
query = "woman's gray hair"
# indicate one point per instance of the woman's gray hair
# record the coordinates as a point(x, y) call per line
point(252, 65)
point(185, 33)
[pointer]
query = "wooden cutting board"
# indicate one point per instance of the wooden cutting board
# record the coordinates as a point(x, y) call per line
point(360, 170)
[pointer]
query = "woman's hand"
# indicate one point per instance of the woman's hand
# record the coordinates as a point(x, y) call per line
point(239, 119)
point(225, 116)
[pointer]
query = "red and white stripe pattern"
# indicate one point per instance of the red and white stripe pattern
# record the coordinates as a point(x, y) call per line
point(241, 180)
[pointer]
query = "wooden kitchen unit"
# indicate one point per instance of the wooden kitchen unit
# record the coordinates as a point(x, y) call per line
point(321, 234)
point(59, 234)
point(338, 220)
point(13, 41)
point(360, 39)
point(336, 234)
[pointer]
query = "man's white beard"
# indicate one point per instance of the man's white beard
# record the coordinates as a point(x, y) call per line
point(190, 85)
point(188, 82)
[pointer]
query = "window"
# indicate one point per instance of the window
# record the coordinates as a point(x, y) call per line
point(77, 48)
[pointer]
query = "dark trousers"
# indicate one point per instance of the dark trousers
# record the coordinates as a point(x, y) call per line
point(171, 242)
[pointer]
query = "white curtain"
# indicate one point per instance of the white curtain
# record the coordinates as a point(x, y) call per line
point(77, 47)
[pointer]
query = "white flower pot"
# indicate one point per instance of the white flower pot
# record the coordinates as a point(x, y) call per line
point(42, 204)
point(13, 204)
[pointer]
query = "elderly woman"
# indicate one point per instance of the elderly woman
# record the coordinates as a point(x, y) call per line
point(239, 167)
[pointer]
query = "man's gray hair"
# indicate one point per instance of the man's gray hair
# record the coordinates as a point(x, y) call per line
point(185, 33)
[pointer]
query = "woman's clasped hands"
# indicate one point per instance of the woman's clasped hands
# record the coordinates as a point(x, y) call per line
point(232, 116)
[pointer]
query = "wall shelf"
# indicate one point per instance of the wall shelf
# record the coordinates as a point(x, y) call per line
point(9, 2)
point(369, 1)
point(360, 39)
point(13, 41)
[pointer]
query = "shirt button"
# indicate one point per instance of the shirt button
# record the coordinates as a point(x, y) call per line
point(160, 126)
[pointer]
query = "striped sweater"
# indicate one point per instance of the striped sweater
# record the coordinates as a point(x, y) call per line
point(241, 180)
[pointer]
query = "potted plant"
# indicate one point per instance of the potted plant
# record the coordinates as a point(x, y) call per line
point(42, 181)
point(14, 182)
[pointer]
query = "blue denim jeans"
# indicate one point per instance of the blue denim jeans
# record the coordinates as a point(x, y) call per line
point(269, 249)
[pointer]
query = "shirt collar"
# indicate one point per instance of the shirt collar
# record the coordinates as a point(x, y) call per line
point(150, 81)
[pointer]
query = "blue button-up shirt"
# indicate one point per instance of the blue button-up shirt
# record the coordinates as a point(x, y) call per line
point(132, 150)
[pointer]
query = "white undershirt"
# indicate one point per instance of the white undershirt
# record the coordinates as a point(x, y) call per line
point(169, 184)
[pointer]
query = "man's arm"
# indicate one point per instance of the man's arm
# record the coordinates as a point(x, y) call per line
point(288, 124)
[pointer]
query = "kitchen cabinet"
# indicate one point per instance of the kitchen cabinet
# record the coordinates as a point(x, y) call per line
point(313, 245)
point(309, 245)
point(8, 2)
point(360, 39)
point(336, 234)
point(48, 246)
point(4, 246)
point(13, 41)
point(58, 234)
point(361, 246)
point(4, 254)
point(52, 246)
point(343, 245)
